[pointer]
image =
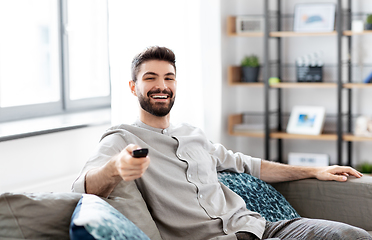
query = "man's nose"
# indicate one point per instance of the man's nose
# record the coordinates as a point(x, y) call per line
point(162, 84)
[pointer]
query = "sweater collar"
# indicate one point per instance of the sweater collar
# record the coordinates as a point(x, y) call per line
point(140, 124)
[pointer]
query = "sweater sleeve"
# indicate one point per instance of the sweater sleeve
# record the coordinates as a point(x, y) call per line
point(109, 146)
point(236, 162)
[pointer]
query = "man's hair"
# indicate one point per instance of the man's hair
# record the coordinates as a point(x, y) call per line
point(152, 53)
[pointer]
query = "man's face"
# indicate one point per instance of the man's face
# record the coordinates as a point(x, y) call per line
point(156, 87)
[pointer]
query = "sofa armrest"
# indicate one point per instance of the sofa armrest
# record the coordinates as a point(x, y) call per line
point(349, 202)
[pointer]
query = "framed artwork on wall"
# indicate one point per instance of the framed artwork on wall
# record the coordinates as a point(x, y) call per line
point(314, 17)
point(306, 120)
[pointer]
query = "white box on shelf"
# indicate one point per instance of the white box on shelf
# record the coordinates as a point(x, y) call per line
point(308, 159)
point(249, 24)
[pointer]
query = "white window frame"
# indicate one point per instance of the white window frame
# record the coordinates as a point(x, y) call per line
point(64, 105)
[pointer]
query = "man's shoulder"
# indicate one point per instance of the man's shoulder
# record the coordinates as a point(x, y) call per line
point(188, 129)
point(121, 129)
point(184, 126)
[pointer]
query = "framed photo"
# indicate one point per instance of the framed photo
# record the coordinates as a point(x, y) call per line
point(314, 17)
point(306, 120)
point(249, 24)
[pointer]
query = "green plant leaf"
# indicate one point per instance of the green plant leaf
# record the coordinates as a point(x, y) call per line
point(250, 61)
point(369, 19)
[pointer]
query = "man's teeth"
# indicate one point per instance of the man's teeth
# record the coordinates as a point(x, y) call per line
point(157, 96)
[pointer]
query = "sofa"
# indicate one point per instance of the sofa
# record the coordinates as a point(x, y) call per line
point(76, 216)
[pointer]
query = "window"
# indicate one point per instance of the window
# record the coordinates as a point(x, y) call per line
point(54, 57)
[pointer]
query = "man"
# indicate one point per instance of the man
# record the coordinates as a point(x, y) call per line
point(180, 186)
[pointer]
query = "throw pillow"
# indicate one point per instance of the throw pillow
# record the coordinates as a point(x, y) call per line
point(36, 215)
point(94, 218)
point(259, 196)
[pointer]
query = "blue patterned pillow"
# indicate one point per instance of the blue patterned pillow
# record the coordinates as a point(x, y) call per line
point(94, 218)
point(259, 196)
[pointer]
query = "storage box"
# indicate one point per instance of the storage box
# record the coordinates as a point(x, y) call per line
point(309, 73)
point(308, 159)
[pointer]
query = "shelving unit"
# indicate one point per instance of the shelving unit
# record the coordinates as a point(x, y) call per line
point(340, 136)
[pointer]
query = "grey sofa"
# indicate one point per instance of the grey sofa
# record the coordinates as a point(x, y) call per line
point(47, 215)
point(349, 202)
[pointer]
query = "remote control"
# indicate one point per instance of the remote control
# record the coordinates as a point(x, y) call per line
point(140, 153)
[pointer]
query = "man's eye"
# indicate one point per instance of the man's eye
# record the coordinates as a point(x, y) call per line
point(169, 79)
point(149, 78)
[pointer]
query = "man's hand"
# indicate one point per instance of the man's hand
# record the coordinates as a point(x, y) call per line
point(336, 173)
point(101, 181)
point(128, 167)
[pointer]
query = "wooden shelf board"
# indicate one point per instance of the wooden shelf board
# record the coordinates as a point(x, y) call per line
point(251, 34)
point(231, 26)
point(234, 76)
point(247, 84)
point(248, 134)
point(231, 31)
point(284, 135)
point(303, 85)
point(351, 33)
point(357, 85)
point(301, 34)
point(237, 119)
point(353, 138)
point(233, 120)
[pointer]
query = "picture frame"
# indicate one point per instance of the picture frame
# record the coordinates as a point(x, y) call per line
point(306, 120)
point(249, 24)
point(314, 17)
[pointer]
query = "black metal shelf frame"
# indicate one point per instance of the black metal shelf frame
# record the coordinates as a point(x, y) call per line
point(266, 73)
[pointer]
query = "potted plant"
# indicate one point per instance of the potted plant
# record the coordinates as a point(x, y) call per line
point(365, 168)
point(369, 22)
point(250, 67)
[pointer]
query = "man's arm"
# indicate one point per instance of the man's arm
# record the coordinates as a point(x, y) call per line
point(276, 172)
point(102, 181)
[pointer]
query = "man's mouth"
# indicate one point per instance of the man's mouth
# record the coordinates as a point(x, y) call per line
point(159, 96)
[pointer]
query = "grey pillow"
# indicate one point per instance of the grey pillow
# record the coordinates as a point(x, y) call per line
point(47, 215)
point(36, 215)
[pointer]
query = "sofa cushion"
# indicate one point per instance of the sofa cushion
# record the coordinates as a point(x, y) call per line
point(94, 218)
point(47, 215)
point(348, 202)
point(36, 215)
point(259, 196)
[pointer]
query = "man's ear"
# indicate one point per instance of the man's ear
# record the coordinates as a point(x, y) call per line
point(132, 86)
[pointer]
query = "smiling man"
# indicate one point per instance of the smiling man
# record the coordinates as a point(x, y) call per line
point(155, 89)
point(180, 185)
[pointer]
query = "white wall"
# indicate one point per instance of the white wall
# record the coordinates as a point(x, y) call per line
point(242, 99)
point(173, 24)
point(47, 162)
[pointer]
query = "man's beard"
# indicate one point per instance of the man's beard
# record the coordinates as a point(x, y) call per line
point(157, 109)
